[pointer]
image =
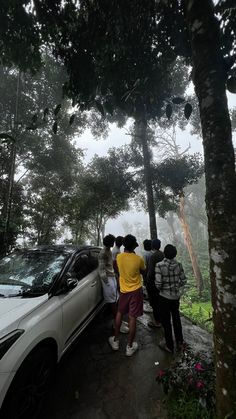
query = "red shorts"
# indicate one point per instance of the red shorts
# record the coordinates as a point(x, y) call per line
point(131, 303)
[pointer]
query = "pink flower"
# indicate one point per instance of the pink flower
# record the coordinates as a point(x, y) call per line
point(198, 367)
point(200, 384)
point(161, 373)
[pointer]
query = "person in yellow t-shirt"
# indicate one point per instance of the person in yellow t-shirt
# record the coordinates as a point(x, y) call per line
point(130, 267)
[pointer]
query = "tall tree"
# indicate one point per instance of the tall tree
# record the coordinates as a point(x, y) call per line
point(210, 76)
point(52, 176)
point(180, 169)
point(29, 117)
point(176, 173)
point(106, 187)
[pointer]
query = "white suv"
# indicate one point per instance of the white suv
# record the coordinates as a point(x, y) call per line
point(48, 295)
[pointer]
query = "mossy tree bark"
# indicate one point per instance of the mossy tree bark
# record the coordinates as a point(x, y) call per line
point(209, 74)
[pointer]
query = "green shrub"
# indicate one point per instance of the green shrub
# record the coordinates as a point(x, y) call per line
point(189, 385)
point(192, 293)
point(186, 407)
point(198, 313)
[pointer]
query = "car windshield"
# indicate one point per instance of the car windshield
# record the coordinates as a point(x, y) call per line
point(29, 272)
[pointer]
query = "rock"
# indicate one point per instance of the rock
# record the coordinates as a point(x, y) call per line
point(198, 339)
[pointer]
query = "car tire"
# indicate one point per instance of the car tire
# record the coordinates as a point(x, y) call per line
point(30, 385)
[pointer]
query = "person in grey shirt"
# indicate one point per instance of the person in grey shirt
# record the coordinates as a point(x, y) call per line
point(147, 253)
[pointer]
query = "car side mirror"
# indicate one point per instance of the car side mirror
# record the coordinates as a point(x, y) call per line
point(71, 283)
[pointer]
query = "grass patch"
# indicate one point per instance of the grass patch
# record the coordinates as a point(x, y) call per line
point(183, 406)
point(199, 312)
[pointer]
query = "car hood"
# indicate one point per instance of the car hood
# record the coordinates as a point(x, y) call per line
point(12, 310)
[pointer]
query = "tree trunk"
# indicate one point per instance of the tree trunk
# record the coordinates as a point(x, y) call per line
point(98, 230)
point(142, 129)
point(170, 222)
point(189, 243)
point(209, 79)
point(12, 169)
point(9, 197)
point(103, 230)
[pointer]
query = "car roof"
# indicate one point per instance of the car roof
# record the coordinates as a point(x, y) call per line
point(57, 248)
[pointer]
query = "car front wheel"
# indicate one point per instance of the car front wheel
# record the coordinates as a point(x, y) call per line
point(30, 385)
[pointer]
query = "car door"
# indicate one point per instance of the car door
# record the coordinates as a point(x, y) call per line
point(95, 293)
point(75, 303)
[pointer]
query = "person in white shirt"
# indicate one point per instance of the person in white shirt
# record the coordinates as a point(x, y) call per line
point(115, 252)
point(108, 279)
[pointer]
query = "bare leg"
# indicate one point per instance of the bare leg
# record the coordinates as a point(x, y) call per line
point(132, 330)
point(118, 322)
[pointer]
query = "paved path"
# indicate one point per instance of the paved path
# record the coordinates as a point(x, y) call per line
point(93, 382)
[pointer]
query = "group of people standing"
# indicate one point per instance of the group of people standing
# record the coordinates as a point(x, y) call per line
point(123, 276)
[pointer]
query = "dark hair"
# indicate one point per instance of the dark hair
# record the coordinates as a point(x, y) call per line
point(156, 244)
point(130, 242)
point(147, 244)
point(170, 251)
point(119, 241)
point(109, 240)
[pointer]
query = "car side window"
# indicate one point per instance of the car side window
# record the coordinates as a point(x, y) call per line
point(81, 266)
point(93, 259)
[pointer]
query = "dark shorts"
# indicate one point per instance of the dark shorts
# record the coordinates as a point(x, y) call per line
point(131, 303)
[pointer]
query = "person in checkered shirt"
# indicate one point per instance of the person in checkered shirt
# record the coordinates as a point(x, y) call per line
point(170, 281)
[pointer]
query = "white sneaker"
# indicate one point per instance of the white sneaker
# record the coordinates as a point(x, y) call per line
point(130, 350)
point(124, 328)
point(114, 343)
point(147, 308)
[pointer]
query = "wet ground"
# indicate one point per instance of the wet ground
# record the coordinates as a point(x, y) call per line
point(93, 382)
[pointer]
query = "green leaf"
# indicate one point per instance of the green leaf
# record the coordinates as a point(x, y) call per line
point(57, 109)
point(169, 111)
point(178, 100)
point(54, 127)
point(231, 84)
point(100, 107)
point(72, 118)
point(188, 110)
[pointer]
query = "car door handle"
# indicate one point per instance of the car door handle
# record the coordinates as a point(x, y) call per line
point(93, 284)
